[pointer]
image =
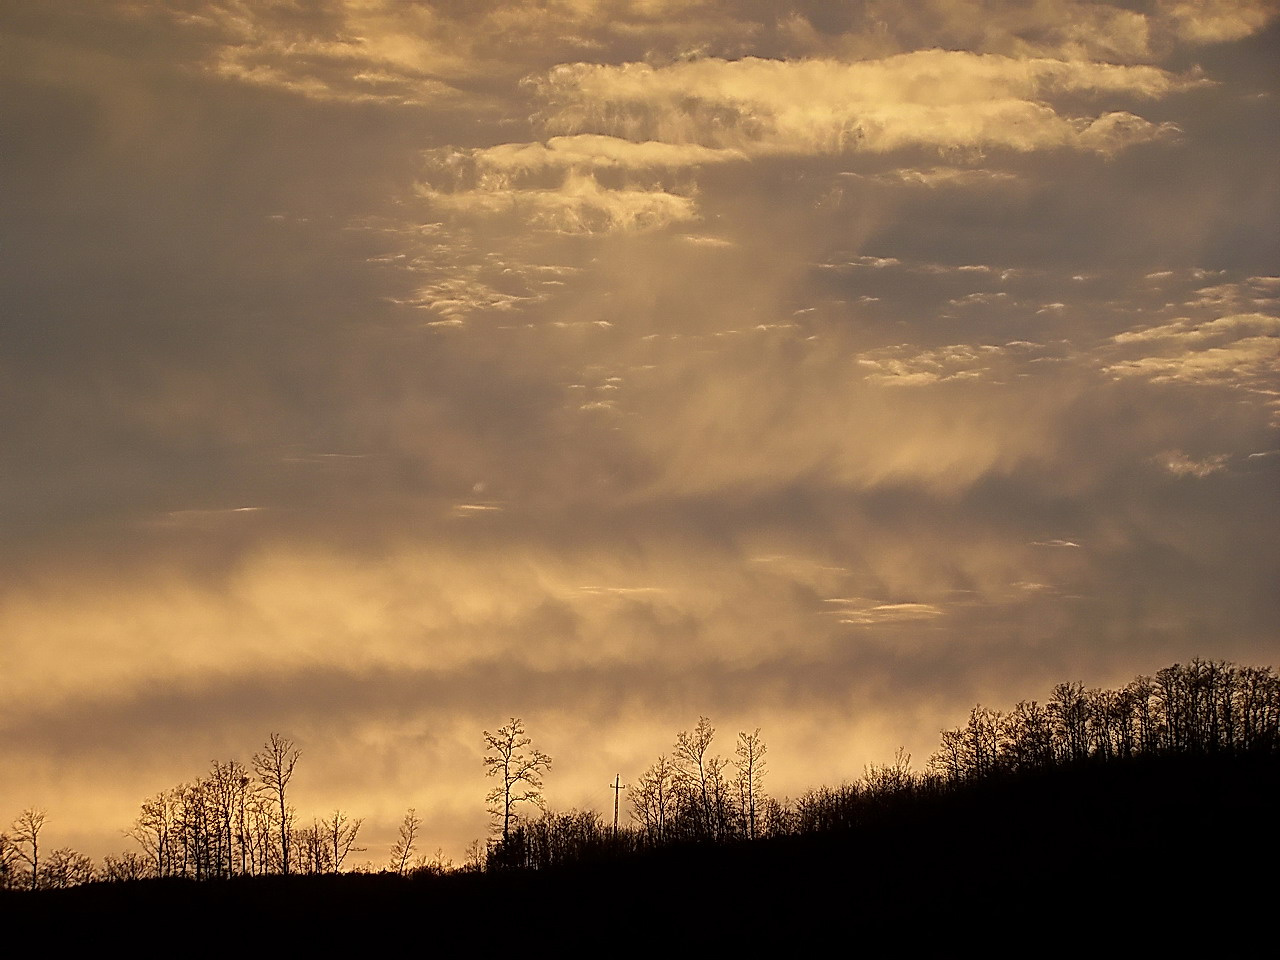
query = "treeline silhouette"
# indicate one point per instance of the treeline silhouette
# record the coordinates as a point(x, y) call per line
point(1198, 719)
point(1205, 708)
point(233, 821)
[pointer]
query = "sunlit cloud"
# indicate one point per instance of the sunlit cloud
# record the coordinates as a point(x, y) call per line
point(589, 151)
point(579, 205)
point(946, 100)
point(937, 177)
point(1217, 21)
point(1182, 465)
point(1239, 351)
point(857, 612)
point(1226, 329)
point(904, 366)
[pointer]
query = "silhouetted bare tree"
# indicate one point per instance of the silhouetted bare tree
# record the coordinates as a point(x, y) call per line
point(274, 767)
point(130, 865)
point(474, 858)
point(309, 849)
point(1069, 708)
point(519, 768)
point(1029, 740)
point(701, 779)
point(26, 837)
point(229, 791)
point(983, 741)
point(65, 868)
point(887, 781)
point(948, 761)
point(340, 832)
point(406, 843)
point(654, 797)
point(9, 859)
point(749, 781)
point(154, 830)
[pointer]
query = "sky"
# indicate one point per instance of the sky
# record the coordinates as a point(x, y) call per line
point(373, 372)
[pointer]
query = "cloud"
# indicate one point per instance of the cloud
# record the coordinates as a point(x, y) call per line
point(1182, 465)
point(586, 152)
point(1187, 331)
point(579, 205)
point(256, 66)
point(942, 100)
point(454, 298)
point(432, 53)
point(384, 53)
point(1217, 21)
point(420, 55)
point(1250, 359)
point(556, 186)
point(904, 366)
point(939, 177)
point(1255, 293)
point(1239, 351)
point(858, 612)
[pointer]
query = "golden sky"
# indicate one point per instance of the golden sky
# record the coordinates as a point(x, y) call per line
point(373, 371)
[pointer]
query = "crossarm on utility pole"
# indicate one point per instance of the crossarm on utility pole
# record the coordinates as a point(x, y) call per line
point(617, 787)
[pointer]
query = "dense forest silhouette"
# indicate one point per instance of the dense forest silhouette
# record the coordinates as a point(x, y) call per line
point(1100, 802)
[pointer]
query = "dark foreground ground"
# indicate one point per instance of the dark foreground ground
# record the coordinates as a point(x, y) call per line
point(1172, 853)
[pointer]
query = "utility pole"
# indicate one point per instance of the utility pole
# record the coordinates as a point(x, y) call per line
point(617, 786)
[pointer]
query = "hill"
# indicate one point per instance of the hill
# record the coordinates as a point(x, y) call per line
point(1157, 848)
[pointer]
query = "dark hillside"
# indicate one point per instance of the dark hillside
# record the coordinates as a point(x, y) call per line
point(1158, 847)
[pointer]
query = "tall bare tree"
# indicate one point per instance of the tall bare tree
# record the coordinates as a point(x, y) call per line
point(886, 781)
point(8, 861)
point(519, 768)
point(1029, 744)
point(154, 830)
point(65, 868)
point(653, 798)
point(310, 850)
point(274, 767)
point(948, 760)
point(749, 780)
point(26, 837)
point(701, 776)
point(129, 866)
point(406, 843)
point(1069, 708)
point(340, 833)
point(984, 736)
